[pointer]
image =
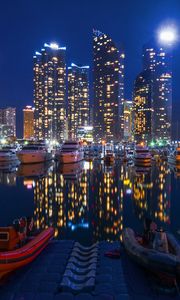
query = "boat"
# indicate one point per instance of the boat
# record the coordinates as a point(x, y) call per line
point(7, 154)
point(109, 157)
point(174, 157)
point(71, 152)
point(34, 153)
point(158, 262)
point(11, 257)
point(142, 156)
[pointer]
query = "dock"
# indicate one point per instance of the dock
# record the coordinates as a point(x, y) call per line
point(66, 270)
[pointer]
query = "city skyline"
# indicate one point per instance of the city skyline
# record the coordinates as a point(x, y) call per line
point(57, 26)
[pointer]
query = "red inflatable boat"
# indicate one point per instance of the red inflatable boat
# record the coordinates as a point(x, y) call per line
point(11, 257)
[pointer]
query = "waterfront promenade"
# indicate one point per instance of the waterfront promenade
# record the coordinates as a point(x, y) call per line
point(62, 272)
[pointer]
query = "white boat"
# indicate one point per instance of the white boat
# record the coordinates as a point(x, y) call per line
point(7, 154)
point(71, 152)
point(142, 156)
point(174, 157)
point(34, 153)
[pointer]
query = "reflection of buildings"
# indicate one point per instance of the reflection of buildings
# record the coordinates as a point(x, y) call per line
point(8, 178)
point(142, 185)
point(59, 202)
point(69, 205)
point(151, 193)
point(106, 204)
point(162, 192)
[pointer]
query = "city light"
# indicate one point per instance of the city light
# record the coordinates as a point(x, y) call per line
point(167, 35)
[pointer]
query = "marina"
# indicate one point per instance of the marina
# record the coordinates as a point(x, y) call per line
point(89, 203)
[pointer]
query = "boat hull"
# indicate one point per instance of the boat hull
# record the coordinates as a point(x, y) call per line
point(15, 259)
point(8, 158)
point(31, 158)
point(153, 260)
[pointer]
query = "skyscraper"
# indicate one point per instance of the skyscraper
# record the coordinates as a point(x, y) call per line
point(142, 107)
point(78, 99)
point(49, 92)
point(28, 125)
point(159, 61)
point(8, 121)
point(108, 85)
point(127, 116)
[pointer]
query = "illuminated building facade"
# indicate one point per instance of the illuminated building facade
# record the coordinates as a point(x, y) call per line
point(142, 107)
point(8, 121)
point(78, 99)
point(49, 92)
point(28, 126)
point(85, 134)
point(159, 61)
point(108, 85)
point(127, 117)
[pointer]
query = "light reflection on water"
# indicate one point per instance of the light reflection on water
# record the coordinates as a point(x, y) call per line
point(89, 201)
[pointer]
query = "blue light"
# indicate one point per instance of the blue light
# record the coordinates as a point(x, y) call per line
point(83, 67)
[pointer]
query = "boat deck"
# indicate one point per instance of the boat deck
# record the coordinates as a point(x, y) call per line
point(107, 279)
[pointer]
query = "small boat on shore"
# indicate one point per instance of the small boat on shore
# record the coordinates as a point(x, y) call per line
point(158, 262)
point(13, 257)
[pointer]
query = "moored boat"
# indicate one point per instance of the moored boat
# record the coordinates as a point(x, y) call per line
point(34, 153)
point(71, 152)
point(174, 157)
point(109, 157)
point(7, 154)
point(11, 257)
point(159, 262)
point(142, 156)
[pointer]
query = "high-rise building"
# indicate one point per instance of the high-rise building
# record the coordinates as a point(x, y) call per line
point(8, 121)
point(49, 92)
point(159, 60)
point(142, 107)
point(28, 125)
point(127, 112)
point(108, 85)
point(78, 99)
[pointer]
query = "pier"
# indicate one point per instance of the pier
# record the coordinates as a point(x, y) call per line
point(67, 271)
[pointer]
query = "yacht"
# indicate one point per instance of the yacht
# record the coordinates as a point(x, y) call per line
point(34, 153)
point(71, 152)
point(142, 156)
point(109, 157)
point(174, 157)
point(7, 154)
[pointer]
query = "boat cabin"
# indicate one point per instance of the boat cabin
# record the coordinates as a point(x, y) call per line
point(9, 238)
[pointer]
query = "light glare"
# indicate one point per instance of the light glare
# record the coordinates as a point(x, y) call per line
point(167, 35)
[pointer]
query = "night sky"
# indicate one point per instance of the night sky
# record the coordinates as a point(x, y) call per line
point(26, 25)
